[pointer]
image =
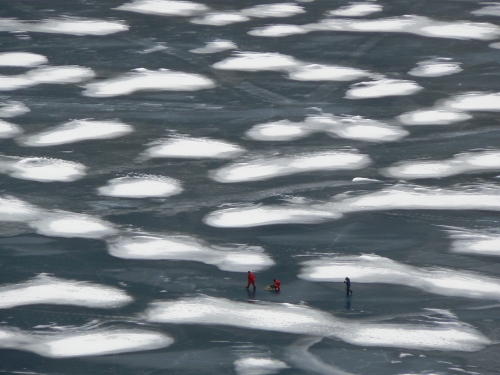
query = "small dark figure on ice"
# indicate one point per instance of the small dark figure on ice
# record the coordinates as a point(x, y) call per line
point(251, 280)
point(276, 286)
point(347, 283)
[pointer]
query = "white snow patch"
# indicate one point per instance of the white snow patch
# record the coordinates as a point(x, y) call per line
point(143, 186)
point(349, 127)
point(356, 10)
point(279, 10)
point(489, 10)
point(220, 19)
point(261, 215)
point(143, 79)
point(217, 45)
point(13, 209)
point(193, 148)
point(258, 366)
point(471, 162)
point(41, 169)
point(301, 320)
point(435, 68)
point(476, 242)
point(76, 131)
point(22, 59)
point(68, 224)
point(12, 108)
point(8, 129)
point(266, 168)
point(233, 259)
point(433, 116)
point(382, 88)
point(45, 289)
point(164, 7)
point(68, 25)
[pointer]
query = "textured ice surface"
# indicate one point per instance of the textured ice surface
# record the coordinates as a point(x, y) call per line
point(217, 45)
point(349, 127)
point(149, 80)
point(435, 68)
point(12, 108)
point(267, 215)
point(42, 169)
point(475, 241)
point(68, 224)
point(356, 10)
point(227, 258)
point(258, 366)
point(469, 162)
point(76, 131)
point(8, 129)
point(193, 148)
point(24, 59)
point(45, 289)
point(377, 269)
point(67, 25)
point(266, 168)
point(143, 186)
point(164, 7)
point(382, 88)
point(296, 319)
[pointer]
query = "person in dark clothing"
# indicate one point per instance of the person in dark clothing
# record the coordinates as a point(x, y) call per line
point(251, 280)
point(347, 283)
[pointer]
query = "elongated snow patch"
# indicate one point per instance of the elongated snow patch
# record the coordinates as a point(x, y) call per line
point(382, 88)
point(475, 241)
point(69, 25)
point(193, 148)
point(360, 9)
point(42, 169)
point(13, 209)
point(410, 24)
point(376, 269)
point(24, 59)
point(296, 319)
point(435, 68)
point(50, 290)
point(48, 75)
point(141, 187)
point(164, 7)
point(264, 169)
point(399, 197)
point(76, 131)
point(258, 366)
point(261, 215)
point(349, 127)
point(148, 80)
point(469, 162)
point(228, 258)
point(68, 224)
point(296, 69)
point(80, 344)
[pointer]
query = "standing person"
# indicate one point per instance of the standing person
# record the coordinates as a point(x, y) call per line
point(347, 283)
point(251, 280)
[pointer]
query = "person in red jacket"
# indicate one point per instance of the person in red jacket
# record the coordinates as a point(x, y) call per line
point(277, 285)
point(251, 280)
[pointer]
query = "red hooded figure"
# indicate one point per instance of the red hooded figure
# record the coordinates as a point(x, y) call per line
point(251, 280)
point(277, 284)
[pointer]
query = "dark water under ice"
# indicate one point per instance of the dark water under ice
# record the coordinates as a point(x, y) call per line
point(135, 199)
